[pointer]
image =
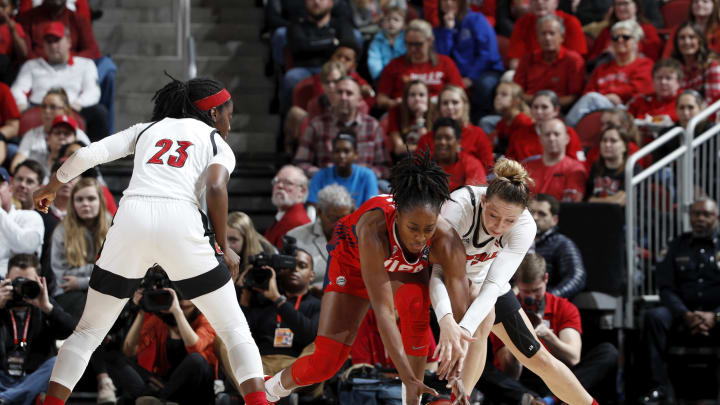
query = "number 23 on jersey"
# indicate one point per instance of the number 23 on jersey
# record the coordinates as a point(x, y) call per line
point(172, 160)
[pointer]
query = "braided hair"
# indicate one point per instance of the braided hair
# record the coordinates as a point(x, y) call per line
point(176, 99)
point(418, 181)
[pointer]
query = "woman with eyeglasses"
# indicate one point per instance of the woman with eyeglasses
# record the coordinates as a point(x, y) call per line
point(421, 62)
point(34, 143)
point(615, 82)
point(623, 10)
point(700, 67)
point(706, 15)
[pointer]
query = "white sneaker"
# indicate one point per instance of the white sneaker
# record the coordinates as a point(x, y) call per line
point(106, 392)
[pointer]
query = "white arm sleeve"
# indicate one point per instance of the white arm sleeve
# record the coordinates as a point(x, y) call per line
point(110, 148)
point(438, 293)
point(515, 245)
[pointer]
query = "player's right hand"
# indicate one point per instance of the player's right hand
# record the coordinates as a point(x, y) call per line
point(43, 197)
point(232, 260)
point(452, 346)
point(414, 389)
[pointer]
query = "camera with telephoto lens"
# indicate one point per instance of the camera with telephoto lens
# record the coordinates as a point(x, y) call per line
point(23, 288)
point(257, 277)
point(154, 297)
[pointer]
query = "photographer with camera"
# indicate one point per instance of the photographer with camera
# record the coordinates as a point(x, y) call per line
point(30, 322)
point(173, 345)
point(282, 313)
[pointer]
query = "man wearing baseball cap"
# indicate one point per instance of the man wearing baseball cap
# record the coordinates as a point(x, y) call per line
point(21, 231)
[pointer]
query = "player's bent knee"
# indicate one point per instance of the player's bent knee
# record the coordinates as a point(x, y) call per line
point(520, 335)
point(413, 304)
point(320, 366)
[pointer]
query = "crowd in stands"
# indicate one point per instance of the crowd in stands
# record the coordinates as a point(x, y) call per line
point(361, 84)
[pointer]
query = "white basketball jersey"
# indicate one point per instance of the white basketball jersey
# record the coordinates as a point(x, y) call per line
point(172, 157)
point(464, 212)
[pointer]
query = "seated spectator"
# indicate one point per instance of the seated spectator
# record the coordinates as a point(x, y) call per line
point(9, 123)
point(81, 7)
point(82, 43)
point(410, 120)
point(705, 14)
point(359, 181)
point(21, 231)
point(508, 12)
point(420, 63)
point(613, 83)
point(314, 151)
point(368, 14)
point(623, 10)
point(606, 182)
point(563, 260)
point(509, 103)
point(33, 144)
point(348, 53)
point(552, 67)
point(462, 167)
point(558, 325)
point(59, 207)
point(29, 330)
point(689, 104)
point(688, 280)
point(13, 42)
point(283, 315)
point(453, 103)
point(77, 75)
point(319, 104)
point(76, 242)
point(62, 133)
point(468, 38)
point(618, 118)
point(525, 142)
point(311, 41)
point(667, 74)
point(174, 353)
point(244, 240)
point(290, 189)
point(701, 70)
point(554, 172)
point(524, 39)
point(388, 43)
point(333, 203)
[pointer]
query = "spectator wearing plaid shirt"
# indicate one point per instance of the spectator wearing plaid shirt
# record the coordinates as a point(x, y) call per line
point(701, 72)
point(314, 150)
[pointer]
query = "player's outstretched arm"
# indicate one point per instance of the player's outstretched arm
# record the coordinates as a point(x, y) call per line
point(217, 202)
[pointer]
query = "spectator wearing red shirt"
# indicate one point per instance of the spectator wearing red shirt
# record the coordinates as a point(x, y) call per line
point(420, 63)
point(524, 39)
point(289, 192)
point(615, 82)
point(82, 43)
point(552, 67)
point(9, 123)
point(558, 325)
point(701, 71)
point(667, 74)
point(554, 172)
point(509, 103)
point(705, 14)
point(81, 7)
point(454, 103)
point(409, 121)
point(462, 167)
point(651, 44)
point(347, 53)
point(13, 42)
point(525, 142)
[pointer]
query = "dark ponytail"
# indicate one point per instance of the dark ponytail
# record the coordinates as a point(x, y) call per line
point(176, 99)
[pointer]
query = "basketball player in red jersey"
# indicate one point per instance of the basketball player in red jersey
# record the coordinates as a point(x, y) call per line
point(380, 253)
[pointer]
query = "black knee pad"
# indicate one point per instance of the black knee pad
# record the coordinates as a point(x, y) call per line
point(520, 335)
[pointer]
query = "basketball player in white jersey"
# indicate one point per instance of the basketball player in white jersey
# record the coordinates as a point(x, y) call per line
point(181, 158)
point(497, 231)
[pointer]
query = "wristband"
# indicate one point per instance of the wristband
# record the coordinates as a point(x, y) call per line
point(280, 300)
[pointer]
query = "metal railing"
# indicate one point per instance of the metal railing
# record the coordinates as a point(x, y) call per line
point(185, 41)
point(659, 199)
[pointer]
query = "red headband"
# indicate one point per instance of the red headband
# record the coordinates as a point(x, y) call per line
point(214, 100)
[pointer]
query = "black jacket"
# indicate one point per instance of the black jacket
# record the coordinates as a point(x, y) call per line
point(43, 331)
point(311, 46)
point(564, 264)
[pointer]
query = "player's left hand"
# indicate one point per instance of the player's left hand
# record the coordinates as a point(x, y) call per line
point(452, 346)
point(232, 260)
point(45, 195)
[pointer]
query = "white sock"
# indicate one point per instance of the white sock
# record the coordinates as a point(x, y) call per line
point(275, 388)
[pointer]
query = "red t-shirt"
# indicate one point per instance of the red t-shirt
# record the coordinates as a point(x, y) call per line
point(559, 314)
point(81, 7)
point(565, 76)
point(400, 71)
point(650, 104)
point(505, 131)
point(523, 40)
point(650, 46)
point(625, 81)
point(473, 140)
point(6, 41)
point(465, 171)
point(318, 90)
point(565, 181)
point(81, 33)
point(525, 143)
point(713, 43)
point(294, 217)
point(8, 107)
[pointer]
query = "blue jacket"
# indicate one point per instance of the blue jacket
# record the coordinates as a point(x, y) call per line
point(381, 53)
point(472, 44)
